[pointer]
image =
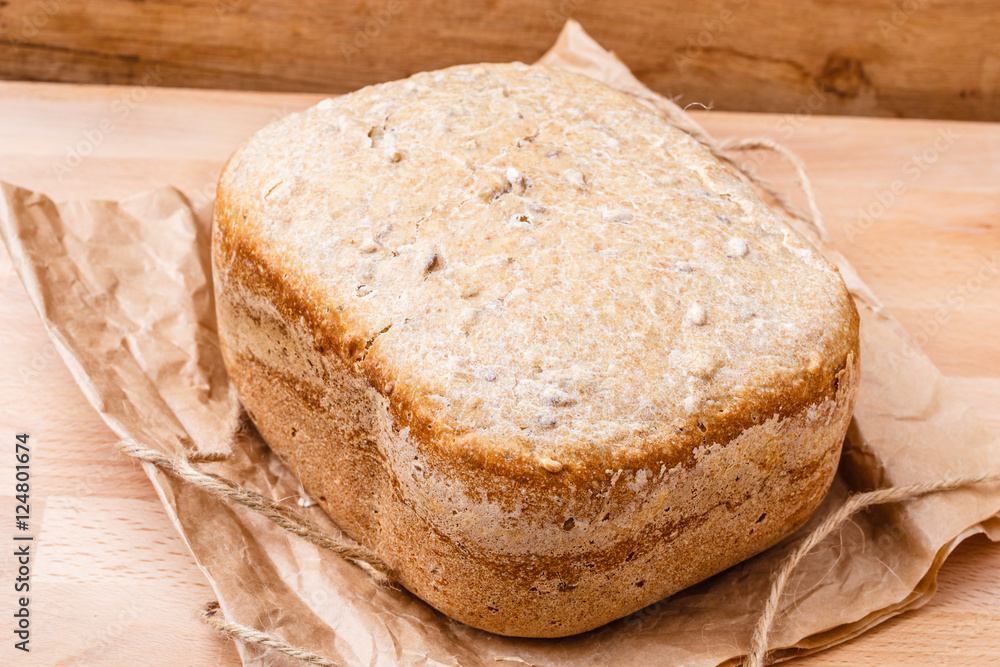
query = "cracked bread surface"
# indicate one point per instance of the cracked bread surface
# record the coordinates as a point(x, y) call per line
point(529, 342)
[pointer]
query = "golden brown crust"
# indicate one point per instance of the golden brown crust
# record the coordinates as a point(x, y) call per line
point(521, 471)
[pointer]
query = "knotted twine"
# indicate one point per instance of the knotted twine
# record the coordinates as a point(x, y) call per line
point(184, 467)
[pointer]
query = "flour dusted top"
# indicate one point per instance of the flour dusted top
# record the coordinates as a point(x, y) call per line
point(527, 262)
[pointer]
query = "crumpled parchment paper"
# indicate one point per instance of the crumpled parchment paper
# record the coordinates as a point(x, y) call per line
point(125, 291)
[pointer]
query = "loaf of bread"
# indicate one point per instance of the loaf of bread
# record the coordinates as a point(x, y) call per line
point(536, 348)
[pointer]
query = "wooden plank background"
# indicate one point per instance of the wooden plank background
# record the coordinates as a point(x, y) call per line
point(903, 58)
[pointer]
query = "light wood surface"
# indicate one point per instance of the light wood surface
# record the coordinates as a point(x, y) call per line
point(910, 58)
point(114, 584)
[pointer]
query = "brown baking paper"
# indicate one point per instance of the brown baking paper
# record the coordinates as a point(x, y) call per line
point(125, 291)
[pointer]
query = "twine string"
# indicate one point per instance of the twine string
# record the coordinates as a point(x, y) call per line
point(281, 515)
point(210, 616)
point(814, 217)
point(759, 652)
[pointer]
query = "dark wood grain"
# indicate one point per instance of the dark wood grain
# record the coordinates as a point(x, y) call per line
point(906, 58)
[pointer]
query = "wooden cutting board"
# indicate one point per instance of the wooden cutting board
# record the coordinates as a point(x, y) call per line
point(915, 206)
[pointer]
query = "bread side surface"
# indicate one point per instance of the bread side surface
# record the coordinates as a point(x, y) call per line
point(530, 343)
